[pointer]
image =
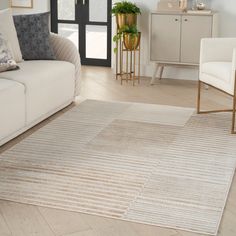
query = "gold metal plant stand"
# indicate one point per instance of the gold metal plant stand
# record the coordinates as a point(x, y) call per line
point(127, 63)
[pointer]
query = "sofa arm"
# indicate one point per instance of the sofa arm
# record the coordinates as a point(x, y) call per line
point(65, 50)
point(217, 49)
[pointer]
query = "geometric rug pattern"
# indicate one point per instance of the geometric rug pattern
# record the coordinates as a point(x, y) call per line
point(152, 164)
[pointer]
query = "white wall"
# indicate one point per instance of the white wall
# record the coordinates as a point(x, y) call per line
point(39, 6)
point(4, 4)
point(227, 9)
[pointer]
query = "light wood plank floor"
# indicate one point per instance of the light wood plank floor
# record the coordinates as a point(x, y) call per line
point(98, 83)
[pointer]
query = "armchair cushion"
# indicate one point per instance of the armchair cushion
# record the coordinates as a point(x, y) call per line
point(218, 74)
point(220, 70)
point(218, 63)
point(217, 49)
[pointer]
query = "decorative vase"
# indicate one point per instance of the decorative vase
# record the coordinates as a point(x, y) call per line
point(126, 19)
point(172, 5)
point(131, 42)
point(201, 6)
point(183, 5)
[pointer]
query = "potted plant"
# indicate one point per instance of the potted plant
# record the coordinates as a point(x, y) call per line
point(131, 37)
point(126, 13)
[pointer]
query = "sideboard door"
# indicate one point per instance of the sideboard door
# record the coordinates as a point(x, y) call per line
point(165, 37)
point(194, 28)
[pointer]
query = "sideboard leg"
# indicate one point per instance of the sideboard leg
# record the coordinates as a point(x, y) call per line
point(162, 70)
point(154, 73)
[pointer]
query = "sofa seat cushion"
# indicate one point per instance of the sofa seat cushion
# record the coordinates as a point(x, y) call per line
point(218, 74)
point(12, 103)
point(49, 85)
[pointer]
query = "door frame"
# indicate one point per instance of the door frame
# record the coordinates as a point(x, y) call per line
point(82, 19)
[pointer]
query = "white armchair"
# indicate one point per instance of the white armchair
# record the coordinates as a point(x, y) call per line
point(218, 70)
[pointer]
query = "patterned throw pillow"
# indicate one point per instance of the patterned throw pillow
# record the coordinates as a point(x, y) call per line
point(34, 36)
point(8, 28)
point(6, 58)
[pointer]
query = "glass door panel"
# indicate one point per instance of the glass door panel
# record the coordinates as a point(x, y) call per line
point(66, 9)
point(96, 41)
point(70, 31)
point(98, 10)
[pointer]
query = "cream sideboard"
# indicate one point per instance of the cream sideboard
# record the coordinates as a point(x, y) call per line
point(175, 38)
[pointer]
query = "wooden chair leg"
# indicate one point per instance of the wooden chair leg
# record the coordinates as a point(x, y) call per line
point(199, 97)
point(233, 131)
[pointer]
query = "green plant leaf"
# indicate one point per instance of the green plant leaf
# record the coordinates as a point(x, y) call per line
point(132, 30)
point(125, 7)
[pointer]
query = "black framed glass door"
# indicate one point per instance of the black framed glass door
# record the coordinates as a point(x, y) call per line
point(87, 23)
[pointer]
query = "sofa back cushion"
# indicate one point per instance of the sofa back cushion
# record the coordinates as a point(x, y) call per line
point(34, 36)
point(7, 27)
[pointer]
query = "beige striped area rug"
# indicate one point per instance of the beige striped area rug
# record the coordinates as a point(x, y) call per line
point(152, 164)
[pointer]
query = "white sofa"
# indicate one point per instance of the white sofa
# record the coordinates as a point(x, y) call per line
point(38, 89)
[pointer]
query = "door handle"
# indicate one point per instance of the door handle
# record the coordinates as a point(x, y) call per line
point(84, 2)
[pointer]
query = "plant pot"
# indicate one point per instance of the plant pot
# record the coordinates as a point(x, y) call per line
point(126, 19)
point(131, 42)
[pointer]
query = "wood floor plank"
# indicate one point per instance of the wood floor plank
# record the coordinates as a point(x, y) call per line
point(24, 220)
point(109, 231)
point(4, 230)
point(99, 83)
point(149, 230)
point(228, 224)
point(64, 222)
point(184, 233)
point(84, 233)
point(98, 223)
point(231, 203)
point(119, 227)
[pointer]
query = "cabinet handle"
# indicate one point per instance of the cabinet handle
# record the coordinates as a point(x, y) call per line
point(176, 20)
point(185, 19)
